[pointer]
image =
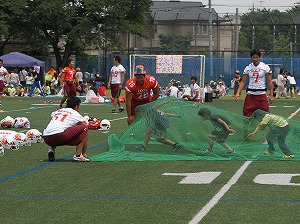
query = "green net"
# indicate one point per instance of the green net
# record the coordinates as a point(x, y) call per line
point(168, 121)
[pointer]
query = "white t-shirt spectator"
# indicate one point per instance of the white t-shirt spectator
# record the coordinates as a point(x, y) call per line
point(174, 91)
point(291, 80)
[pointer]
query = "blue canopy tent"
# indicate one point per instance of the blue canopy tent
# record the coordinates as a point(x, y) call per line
point(17, 59)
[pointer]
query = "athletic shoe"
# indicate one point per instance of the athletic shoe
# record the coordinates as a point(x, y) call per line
point(80, 158)
point(268, 153)
point(113, 111)
point(51, 155)
point(207, 151)
point(176, 147)
point(121, 109)
point(291, 156)
point(140, 147)
point(231, 152)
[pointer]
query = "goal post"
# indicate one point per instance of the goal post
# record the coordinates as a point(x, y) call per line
point(167, 67)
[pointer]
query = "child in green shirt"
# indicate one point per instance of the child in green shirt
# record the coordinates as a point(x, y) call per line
point(279, 129)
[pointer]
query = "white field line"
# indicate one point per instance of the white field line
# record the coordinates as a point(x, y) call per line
point(294, 114)
point(282, 106)
point(217, 197)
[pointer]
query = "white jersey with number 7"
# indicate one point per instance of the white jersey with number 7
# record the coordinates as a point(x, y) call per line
point(257, 77)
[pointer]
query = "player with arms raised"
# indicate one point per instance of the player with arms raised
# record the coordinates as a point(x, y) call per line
point(138, 91)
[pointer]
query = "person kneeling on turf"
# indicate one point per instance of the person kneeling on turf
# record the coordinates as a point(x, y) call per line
point(279, 129)
point(67, 127)
point(221, 132)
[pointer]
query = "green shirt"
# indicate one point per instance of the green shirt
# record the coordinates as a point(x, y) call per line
point(274, 121)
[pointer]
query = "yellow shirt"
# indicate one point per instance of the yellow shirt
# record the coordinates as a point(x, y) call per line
point(274, 121)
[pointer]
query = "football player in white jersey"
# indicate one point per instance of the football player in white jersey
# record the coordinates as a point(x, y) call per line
point(257, 72)
point(67, 127)
point(195, 90)
point(115, 82)
point(3, 73)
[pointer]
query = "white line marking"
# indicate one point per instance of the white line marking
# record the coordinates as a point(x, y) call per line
point(282, 106)
point(216, 198)
point(121, 118)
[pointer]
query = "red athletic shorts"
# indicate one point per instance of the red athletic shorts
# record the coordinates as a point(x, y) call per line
point(115, 91)
point(135, 104)
point(71, 136)
point(70, 89)
point(1, 86)
point(254, 102)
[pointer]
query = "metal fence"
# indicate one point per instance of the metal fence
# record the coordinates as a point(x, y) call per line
point(224, 65)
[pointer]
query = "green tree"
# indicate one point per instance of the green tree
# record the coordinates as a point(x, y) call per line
point(69, 25)
point(266, 28)
point(11, 13)
point(176, 43)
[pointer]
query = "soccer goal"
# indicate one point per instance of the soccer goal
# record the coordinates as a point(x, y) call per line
point(167, 67)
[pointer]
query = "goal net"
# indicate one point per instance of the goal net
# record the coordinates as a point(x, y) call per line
point(171, 67)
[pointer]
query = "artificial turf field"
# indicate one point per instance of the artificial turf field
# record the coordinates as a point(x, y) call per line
point(34, 190)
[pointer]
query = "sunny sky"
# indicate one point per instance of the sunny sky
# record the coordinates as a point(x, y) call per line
point(229, 6)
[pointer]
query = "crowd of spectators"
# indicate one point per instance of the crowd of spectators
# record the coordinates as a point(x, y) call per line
point(19, 83)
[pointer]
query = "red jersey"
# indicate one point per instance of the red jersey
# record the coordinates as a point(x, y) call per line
point(69, 73)
point(141, 92)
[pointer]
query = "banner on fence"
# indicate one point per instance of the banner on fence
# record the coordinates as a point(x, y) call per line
point(169, 64)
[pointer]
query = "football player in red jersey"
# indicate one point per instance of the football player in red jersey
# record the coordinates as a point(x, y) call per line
point(69, 81)
point(138, 91)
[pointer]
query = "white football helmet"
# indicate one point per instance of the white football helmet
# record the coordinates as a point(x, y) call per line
point(7, 119)
point(35, 136)
point(9, 142)
point(21, 122)
point(22, 139)
point(105, 125)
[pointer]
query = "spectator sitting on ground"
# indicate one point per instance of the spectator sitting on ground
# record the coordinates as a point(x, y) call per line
point(221, 89)
point(94, 88)
point(11, 90)
point(20, 90)
point(84, 88)
point(102, 89)
point(207, 88)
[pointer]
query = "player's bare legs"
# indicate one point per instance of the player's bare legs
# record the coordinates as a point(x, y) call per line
point(62, 101)
point(210, 144)
point(147, 137)
point(82, 147)
point(226, 146)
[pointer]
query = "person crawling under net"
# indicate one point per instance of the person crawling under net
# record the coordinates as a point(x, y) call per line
point(158, 122)
point(279, 129)
point(221, 131)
